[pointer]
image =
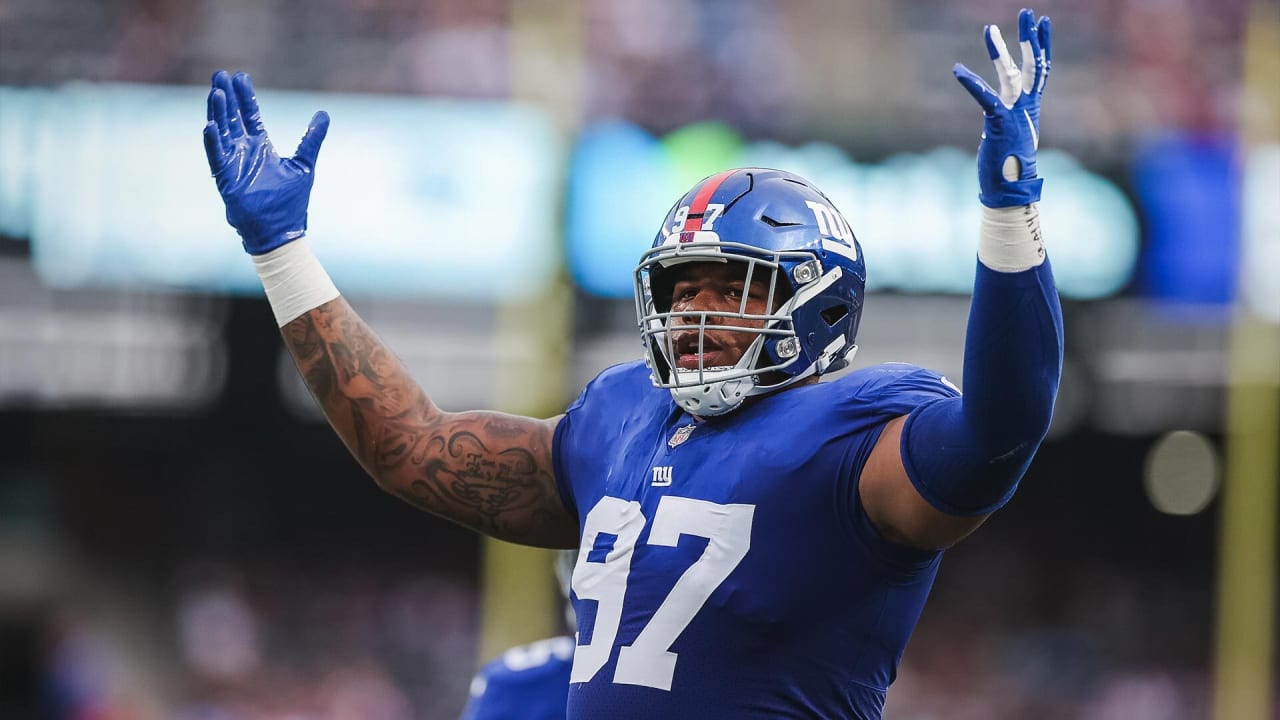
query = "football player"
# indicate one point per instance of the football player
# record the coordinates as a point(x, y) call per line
point(529, 682)
point(752, 543)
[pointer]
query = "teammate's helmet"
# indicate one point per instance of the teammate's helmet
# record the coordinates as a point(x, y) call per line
point(786, 232)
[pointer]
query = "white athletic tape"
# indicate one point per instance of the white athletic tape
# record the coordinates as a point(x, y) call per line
point(1011, 239)
point(294, 280)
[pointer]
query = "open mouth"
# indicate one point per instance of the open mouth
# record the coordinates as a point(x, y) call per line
point(688, 357)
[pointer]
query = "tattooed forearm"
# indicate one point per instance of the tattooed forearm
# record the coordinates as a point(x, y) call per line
point(460, 471)
point(487, 471)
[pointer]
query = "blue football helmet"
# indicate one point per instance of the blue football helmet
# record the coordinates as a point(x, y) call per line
point(785, 231)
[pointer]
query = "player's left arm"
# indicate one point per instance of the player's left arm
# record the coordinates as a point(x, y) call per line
point(938, 472)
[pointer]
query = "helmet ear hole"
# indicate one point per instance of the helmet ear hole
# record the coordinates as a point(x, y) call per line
point(834, 314)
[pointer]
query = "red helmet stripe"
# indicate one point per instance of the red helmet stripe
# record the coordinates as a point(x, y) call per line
point(702, 198)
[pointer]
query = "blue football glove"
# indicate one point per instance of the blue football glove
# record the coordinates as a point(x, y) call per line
point(266, 196)
point(1011, 133)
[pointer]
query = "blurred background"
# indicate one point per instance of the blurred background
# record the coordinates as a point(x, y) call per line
point(181, 536)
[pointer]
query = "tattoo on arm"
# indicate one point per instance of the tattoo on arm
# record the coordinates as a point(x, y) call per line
point(488, 471)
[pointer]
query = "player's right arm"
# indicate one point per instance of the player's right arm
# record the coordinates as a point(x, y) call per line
point(487, 471)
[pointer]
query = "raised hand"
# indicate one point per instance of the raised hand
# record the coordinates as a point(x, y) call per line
point(1011, 133)
point(266, 195)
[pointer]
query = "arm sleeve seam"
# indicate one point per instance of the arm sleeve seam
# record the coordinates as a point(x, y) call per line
point(563, 486)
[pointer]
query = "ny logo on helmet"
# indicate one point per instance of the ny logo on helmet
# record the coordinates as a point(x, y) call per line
point(833, 225)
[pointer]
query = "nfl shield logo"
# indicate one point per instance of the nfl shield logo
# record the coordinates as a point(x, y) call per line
point(681, 435)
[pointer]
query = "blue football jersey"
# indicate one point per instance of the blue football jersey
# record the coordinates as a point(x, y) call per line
point(727, 568)
point(530, 682)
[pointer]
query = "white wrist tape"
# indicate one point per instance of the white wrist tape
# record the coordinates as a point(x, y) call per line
point(294, 280)
point(1011, 239)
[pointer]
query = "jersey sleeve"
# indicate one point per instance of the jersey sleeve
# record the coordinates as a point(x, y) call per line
point(886, 392)
point(895, 389)
point(590, 424)
point(563, 449)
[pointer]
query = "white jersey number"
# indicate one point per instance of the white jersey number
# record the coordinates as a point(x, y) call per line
point(649, 661)
point(709, 217)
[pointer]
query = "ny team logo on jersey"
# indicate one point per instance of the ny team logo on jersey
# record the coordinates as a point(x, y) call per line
point(662, 476)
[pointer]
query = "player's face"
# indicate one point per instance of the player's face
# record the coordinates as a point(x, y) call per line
point(717, 287)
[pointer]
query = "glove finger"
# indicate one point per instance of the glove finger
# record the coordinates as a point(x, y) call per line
point(992, 51)
point(1029, 46)
point(218, 112)
point(248, 102)
point(213, 85)
point(234, 127)
point(213, 147)
point(1046, 51)
point(309, 148)
point(977, 87)
point(1006, 70)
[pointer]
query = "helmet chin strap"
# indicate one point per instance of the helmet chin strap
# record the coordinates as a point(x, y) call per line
point(828, 356)
point(714, 396)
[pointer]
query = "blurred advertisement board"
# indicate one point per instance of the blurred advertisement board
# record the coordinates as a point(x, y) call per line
point(413, 198)
point(461, 200)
